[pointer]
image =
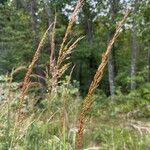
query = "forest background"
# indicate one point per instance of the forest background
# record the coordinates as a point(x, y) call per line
point(124, 88)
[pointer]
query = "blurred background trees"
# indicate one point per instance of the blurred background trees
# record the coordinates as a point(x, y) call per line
point(22, 23)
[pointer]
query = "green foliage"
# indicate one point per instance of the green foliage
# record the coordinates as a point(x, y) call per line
point(120, 138)
point(118, 122)
point(15, 38)
point(112, 121)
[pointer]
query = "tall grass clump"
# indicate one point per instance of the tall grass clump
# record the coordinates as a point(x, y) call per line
point(50, 123)
point(57, 69)
point(22, 120)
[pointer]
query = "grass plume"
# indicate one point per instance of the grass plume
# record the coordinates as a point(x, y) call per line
point(26, 81)
point(97, 78)
point(57, 69)
point(72, 19)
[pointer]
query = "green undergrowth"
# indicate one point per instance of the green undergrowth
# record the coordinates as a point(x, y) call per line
point(121, 122)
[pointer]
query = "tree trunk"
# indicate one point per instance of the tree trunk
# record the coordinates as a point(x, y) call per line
point(134, 50)
point(34, 24)
point(50, 19)
point(80, 77)
point(114, 8)
point(51, 38)
point(149, 65)
point(111, 67)
point(89, 34)
point(88, 28)
point(33, 10)
point(111, 75)
point(133, 58)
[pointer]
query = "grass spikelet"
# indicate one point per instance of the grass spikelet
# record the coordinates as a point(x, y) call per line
point(68, 50)
point(18, 69)
point(30, 68)
point(52, 42)
point(97, 78)
point(26, 81)
point(72, 19)
point(58, 69)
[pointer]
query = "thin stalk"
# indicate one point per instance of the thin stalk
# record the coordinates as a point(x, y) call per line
point(73, 16)
point(8, 109)
point(26, 81)
point(88, 101)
